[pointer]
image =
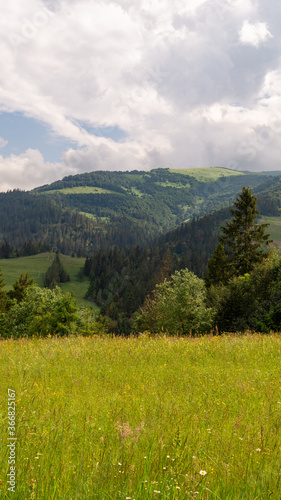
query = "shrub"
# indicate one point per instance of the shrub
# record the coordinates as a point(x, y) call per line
point(252, 301)
point(41, 312)
point(177, 306)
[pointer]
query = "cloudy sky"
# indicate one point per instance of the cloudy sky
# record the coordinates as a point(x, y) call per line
point(137, 84)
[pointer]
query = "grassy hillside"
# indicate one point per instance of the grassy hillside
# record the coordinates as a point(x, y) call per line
point(86, 212)
point(171, 418)
point(164, 197)
point(80, 190)
point(116, 202)
point(37, 265)
point(274, 229)
point(207, 174)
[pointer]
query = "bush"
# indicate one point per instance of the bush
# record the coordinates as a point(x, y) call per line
point(177, 306)
point(41, 312)
point(252, 301)
point(91, 324)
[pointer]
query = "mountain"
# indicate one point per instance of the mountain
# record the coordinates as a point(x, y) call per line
point(121, 278)
point(86, 212)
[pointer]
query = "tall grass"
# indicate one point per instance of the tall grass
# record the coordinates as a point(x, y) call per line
point(144, 418)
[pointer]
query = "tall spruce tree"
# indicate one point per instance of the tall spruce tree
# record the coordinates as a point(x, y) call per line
point(55, 274)
point(242, 243)
point(218, 267)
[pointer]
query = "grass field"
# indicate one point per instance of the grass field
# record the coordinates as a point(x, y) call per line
point(141, 418)
point(274, 229)
point(206, 174)
point(80, 190)
point(37, 265)
point(178, 185)
point(94, 217)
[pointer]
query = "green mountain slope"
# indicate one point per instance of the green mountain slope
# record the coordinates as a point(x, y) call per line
point(37, 265)
point(85, 212)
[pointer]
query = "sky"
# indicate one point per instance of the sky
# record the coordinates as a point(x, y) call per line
point(91, 85)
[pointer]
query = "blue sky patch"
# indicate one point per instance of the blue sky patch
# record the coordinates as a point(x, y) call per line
point(22, 133)
point(115, 133)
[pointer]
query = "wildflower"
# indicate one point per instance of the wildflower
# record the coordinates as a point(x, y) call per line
point(258, 449)
point(202, 472)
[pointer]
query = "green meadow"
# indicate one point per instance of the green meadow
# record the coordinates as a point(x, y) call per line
point(274, 229)
point(80, 190)
point(143, 418)
point(37, 265)
point(206, 174)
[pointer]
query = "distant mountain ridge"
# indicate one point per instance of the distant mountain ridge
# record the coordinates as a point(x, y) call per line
point(82, 213)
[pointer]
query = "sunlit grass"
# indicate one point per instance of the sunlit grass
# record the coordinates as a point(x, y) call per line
point(206, 174)
point(37, 265)
point(144, 418)
point(80, 190)
point(274, 229)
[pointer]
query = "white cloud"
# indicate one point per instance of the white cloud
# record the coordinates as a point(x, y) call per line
point(254, 34)
point(181, 79)
point(3, 143)
point(28, 170)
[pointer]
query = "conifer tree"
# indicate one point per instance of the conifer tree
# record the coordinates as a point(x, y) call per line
point(218, 267)
point(242, 243)
point(19, 287)
point(55, 274)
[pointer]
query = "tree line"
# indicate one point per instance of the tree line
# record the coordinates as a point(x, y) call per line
point(241, 289)
point(121, 278)
point(189, 280)
point(124, 282)
point(28, 310)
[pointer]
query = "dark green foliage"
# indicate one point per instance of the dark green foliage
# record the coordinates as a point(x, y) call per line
point(177, 306)
point(41, 312)
point(19, 287)
point(218, 267)
point(6, 250)
point(32, 248)
point(252, 301)
point(269, 197)
point(28, 310)
point(138, 207)
point(55, 274)
point(241, 243)
point(244, 241)
point(47, 223)
point(3, 296)
point(122, 278)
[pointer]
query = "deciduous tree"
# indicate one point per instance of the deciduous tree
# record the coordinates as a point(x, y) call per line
point(177, 306)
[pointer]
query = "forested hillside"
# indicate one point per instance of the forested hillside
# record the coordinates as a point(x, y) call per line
point(122, 278)
point(136, 229)
point(84, 213)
